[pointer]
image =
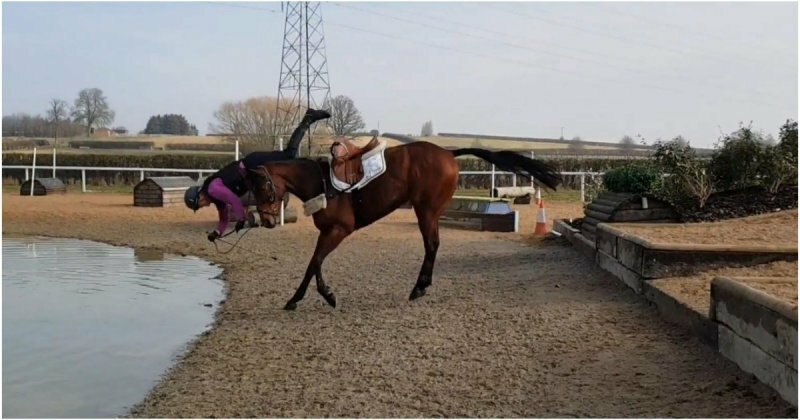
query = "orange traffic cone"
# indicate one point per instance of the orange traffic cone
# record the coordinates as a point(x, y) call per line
point(541, 221)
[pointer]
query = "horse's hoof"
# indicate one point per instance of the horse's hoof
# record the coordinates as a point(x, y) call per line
point(290, 306)
point(416, 293)
point(330, 298)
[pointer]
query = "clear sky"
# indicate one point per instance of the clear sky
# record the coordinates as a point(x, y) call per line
point(599, 70)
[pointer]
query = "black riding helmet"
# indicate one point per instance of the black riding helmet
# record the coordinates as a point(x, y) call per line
point(192, 197)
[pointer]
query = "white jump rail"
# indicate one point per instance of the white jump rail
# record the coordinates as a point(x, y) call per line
point(83, 170)
point(200, 173)
point(494, 173)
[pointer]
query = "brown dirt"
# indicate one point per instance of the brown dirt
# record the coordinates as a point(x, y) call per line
point(769, 229)
point(506, 330)
point(695, 291)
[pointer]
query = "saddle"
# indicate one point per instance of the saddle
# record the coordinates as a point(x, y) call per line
point(346, 164)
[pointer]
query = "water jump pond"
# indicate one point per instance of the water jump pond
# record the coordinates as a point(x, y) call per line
point(88, 328)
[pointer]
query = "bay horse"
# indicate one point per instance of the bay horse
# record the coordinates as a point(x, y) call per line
point(421, 173)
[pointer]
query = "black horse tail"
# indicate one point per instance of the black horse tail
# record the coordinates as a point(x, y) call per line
point(518, 164)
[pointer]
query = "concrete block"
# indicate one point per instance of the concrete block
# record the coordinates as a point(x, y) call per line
point(629, 277)
point(677, 312)
point(752, 359)
point(606, 241)
point(630, 254)
point(762, 319)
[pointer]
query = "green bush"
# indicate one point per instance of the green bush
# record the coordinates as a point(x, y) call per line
point(689, 180)
point(788, 141)
point(635, 178)
point(735, 164)
point(776, 168)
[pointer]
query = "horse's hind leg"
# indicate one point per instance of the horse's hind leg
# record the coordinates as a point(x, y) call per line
point(429, 227)
point(429, 204)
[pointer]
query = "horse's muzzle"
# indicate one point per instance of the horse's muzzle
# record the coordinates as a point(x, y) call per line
point(268, 220)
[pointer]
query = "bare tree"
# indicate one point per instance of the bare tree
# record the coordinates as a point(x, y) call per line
point(256, 123)
point(56, 113)
point(91, 109)
point(576, 145)
point(680, 142)
point(427, 129)
point(345, 117)
point(252, 121)
point(627, 144)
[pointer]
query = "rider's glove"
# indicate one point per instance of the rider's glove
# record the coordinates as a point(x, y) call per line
point(213, 236)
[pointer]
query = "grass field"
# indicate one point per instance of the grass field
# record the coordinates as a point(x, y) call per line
point(506, 144)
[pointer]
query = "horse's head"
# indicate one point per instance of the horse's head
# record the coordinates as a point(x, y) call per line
point(267, 188)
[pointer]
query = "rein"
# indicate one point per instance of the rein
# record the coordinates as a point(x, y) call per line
point(233, 245)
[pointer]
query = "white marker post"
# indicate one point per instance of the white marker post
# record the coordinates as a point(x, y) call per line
point(491, 192)
point(33, 171)
point(237, 150)
point(532, 157)
point(583, 188)
point(280, 145)
point(54, 161)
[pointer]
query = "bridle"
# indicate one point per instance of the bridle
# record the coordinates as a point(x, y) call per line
point(269, 187)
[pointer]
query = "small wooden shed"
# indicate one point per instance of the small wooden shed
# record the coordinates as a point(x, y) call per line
point(161, 191)
point(43, 186)
point(611, 207)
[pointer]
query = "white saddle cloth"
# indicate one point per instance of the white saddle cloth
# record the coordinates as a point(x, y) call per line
point(374, 163)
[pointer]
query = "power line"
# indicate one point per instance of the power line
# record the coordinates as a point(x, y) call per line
point(612, 10)
point(242, 6)
point(517, 13)
point(559, 71)
point(561, 55)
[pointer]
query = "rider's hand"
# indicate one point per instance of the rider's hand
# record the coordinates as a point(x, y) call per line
point(239, 225)
point(213, 236)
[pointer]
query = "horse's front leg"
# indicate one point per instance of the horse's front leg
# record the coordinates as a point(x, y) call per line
point(327, 241)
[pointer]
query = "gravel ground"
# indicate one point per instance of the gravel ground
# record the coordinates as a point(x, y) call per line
point(778, 228)
point(508, 329)
point(695, 291)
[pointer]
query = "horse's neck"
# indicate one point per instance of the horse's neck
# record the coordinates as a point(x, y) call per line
point(304, 178)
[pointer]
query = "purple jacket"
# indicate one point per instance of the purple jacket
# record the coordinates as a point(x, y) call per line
point(219, 192)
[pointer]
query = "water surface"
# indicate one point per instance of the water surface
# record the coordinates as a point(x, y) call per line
point(88, 328)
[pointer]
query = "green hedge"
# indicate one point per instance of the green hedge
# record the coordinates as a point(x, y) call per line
point(562, 165)
point(26, 144)
point(111, 144)
point(176, 161)
point(636, 179)
point(204, 147)
point(214, 161)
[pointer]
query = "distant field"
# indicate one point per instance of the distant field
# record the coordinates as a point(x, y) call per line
point(161, 141)
point(505, 144)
